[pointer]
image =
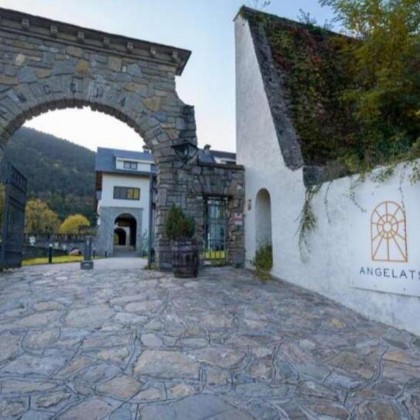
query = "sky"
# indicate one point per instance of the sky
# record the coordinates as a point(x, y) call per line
point(204, 27)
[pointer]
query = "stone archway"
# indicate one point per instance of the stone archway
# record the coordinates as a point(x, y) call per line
point(51, 65)
point(128, 224)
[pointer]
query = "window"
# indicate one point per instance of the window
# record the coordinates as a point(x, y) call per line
point(126, 193)
point(130, 165)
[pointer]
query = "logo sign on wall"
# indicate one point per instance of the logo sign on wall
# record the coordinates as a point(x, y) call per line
point(386, 266)
point(388, 233)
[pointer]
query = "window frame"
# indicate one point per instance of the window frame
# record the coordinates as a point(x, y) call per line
point(126, 193)
point(131, 165)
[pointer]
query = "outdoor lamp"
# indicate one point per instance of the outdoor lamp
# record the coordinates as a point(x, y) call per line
point(185, 150)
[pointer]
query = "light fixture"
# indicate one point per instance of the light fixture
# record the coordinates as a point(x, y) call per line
point(185, 150)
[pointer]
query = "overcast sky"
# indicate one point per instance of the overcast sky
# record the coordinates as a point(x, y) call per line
point(208, 82)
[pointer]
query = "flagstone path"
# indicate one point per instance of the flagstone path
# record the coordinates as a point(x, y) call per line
point(120, 342)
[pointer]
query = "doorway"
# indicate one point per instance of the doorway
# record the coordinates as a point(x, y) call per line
point(263, 235)
point(125, 232)
point(215, 231)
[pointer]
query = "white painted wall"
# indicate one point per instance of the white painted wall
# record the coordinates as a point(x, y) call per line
point(341, 243)
point(107, 199)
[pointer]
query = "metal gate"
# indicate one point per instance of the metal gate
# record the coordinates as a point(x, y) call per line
point(215, 230)
point(13, 219)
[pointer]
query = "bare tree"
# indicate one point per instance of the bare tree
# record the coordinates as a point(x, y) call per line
point(259, 4)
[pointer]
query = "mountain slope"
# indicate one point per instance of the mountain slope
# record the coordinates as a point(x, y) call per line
point(58, 171)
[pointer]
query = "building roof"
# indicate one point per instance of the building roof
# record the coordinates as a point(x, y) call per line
point(304, 77)
point(105, 160)
point(211, 156)
point(223, 155)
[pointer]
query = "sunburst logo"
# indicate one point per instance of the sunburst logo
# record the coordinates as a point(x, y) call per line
point(388, 233)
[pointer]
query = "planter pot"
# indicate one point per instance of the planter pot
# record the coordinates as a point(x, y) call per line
point(185, 259)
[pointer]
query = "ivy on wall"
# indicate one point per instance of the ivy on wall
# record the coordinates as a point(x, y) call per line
point(315, 81)
point(348, 110)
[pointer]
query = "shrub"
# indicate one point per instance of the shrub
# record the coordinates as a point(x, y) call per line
point(178, 225)
point(263, 261)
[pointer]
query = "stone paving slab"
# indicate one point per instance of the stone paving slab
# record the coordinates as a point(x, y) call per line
point(121, 342)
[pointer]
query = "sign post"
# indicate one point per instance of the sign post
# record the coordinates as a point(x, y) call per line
point(87, 263)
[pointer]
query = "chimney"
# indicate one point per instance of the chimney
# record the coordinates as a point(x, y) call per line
point(207, 149)
point(146, 149)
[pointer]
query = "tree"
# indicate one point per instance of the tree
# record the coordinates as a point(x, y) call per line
point(384, 64)
point(73, 223)
point(39, 218)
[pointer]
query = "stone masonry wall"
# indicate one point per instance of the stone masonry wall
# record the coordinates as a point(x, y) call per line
point(47, 65)
point(196, 182)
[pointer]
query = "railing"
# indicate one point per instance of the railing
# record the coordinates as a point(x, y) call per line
point(55, 237)
point(63, 242)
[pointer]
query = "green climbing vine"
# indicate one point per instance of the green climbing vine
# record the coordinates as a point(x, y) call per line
point(353, 100)
point(307, 221)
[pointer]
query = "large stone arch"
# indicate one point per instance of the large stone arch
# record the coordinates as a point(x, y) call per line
point(47, 65)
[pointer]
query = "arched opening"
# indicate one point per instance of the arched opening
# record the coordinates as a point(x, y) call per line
point(120, 237)
point(125, 227)
point(264, 249)
point(70, 182)
point(104, 240)
point(99, 201)
point(56, 152)
point(263, 234)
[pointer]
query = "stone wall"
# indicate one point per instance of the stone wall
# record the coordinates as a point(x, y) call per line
point(197, 182)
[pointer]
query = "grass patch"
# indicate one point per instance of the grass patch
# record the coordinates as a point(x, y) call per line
point(55, 260)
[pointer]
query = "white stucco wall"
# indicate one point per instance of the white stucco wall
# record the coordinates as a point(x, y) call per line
point(107, 199)
point(340, 246)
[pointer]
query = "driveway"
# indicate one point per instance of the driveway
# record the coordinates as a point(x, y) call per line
point(122, 342)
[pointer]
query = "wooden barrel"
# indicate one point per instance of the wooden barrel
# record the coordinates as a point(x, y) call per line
point(185, 259)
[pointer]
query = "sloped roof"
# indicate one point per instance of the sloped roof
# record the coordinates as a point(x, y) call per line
point(223, 155)
point(212, 155)
point(304, 77)
point(105, 160)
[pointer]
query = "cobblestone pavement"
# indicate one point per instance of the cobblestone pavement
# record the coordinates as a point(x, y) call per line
point(129, 343)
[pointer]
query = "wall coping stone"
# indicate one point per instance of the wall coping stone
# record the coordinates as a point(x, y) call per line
point(39, 27)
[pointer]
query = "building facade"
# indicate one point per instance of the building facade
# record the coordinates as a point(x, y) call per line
point(123, 180)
